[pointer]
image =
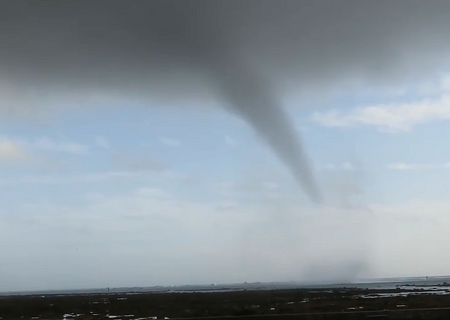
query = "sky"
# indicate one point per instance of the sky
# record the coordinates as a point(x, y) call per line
point(150, 152)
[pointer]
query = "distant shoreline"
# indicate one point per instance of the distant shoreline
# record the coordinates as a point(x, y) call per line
point(384, 283)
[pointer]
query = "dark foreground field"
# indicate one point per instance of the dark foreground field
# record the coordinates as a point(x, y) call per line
point(312, 304)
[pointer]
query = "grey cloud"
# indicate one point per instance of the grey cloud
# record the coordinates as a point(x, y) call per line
point(249, 53)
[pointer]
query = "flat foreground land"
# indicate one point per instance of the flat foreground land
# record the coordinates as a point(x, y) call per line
point(311, 303)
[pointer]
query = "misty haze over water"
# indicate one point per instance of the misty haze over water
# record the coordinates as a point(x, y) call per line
point(382, 283)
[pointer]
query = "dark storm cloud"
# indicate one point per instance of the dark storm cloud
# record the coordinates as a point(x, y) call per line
point(246, 51)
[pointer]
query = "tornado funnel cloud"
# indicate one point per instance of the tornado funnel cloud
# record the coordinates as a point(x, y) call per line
point(251, 97)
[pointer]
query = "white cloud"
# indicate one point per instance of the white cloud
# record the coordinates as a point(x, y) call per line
point(394, 117)
point(10, 151)
point(445, 83)
point(432, 87)
point(170, 142)
point(415, 166)
point(250, 190)
point(139, 162)
point(102, 142)
point(402, 166)
point(270, 185)
point(72, 178)
point(346, 166)
point(153, 193)
point(47, 144)
point(225, 189)
point(329, 166)
point(230, 141)
point(93, 177)
point(271, 191)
